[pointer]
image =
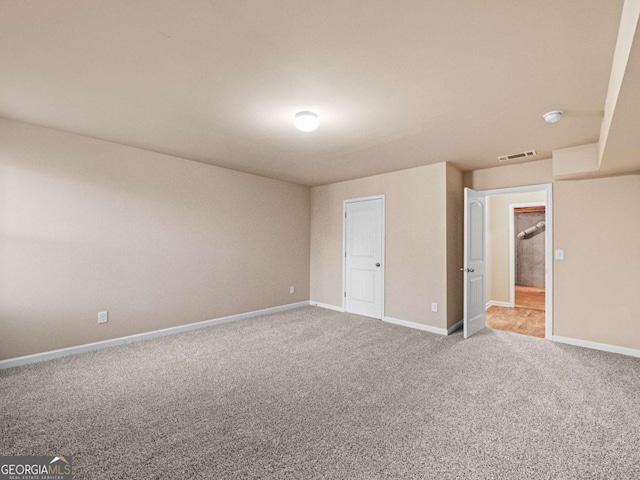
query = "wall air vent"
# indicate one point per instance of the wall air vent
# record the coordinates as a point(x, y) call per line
point(515, 156)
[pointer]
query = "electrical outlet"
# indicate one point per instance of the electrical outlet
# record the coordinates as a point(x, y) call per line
point(103, 317)
point(292, 289)
point(434, 307)
point(559, 254)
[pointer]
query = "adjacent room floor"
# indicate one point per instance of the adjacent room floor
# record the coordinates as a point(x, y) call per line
point(315, 394)
point(526, 318)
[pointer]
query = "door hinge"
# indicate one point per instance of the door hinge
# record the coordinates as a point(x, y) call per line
point(345, 294)
point(345, 214)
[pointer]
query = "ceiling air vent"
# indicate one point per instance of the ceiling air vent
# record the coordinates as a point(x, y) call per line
point(515, 156)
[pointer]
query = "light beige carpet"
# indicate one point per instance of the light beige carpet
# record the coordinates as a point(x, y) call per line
point(315, 394)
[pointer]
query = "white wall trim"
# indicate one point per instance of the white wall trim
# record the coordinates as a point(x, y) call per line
point(496, 303)
point(597, 346)
point(454, 327)
point(63, 352)
point(417, 326)
point(326, 305)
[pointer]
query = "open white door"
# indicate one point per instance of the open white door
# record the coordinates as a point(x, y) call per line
point(474, 262)
point(364, 257)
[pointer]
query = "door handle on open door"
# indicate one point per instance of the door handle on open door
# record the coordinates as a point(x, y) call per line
point(470, 270)
point(377, 264)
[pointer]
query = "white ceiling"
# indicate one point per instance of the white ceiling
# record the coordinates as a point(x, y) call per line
point(396, 84)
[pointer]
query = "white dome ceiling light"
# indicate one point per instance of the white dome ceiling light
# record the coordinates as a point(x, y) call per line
point(553, 116)
point(306, 121)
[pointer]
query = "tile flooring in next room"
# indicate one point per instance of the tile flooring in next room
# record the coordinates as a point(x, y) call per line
point(527, 317)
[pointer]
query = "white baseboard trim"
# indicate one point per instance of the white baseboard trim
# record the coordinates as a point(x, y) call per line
point(495, 303)
point(597, 346)
point(63, 352)
point(417, 326)
point(454, 327)
point(328, 306)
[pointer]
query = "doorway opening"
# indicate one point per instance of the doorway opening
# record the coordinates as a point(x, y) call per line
point(525, 312)
point(508, 280)
point(526, 220)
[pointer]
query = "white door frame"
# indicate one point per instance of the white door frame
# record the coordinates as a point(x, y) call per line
point(512, 246)
point(548, 217)
point(344, 246)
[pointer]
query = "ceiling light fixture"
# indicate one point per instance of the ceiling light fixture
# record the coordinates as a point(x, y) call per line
point(306, 121)
point(553, 116)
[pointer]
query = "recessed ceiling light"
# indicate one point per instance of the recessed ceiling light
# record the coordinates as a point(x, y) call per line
point(553, 116)
point(306, 121)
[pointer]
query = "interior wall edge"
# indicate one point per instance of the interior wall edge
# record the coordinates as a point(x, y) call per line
point(604, 347)
point(416, 326)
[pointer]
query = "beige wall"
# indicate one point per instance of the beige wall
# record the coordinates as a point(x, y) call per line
point(416, 241)
point(498, 242)
point(597, 288)
point(517, 175)
point(455, 239)
point(87, 225)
